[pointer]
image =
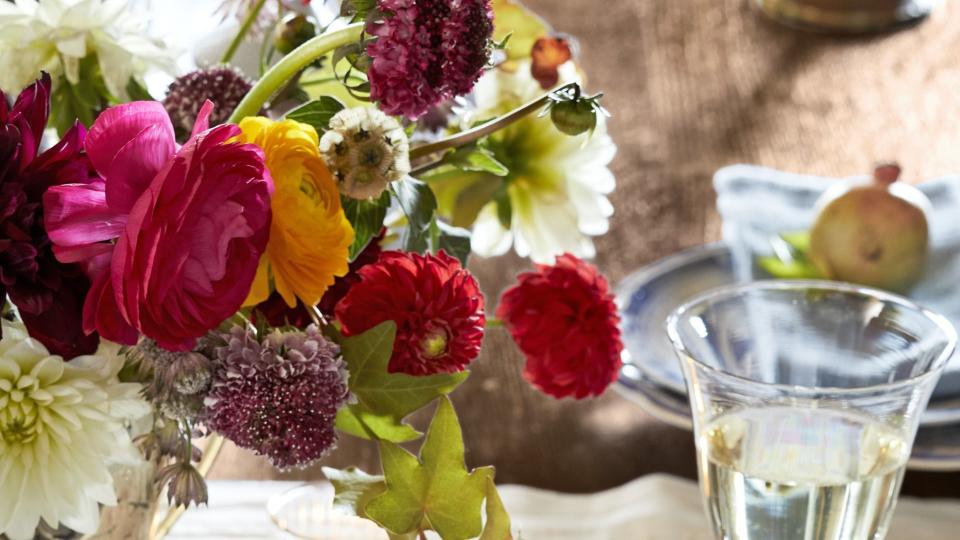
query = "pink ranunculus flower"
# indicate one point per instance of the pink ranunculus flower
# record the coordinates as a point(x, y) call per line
point(170, 237)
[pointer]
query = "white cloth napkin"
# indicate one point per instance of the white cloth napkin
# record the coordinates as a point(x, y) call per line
point(654, 507)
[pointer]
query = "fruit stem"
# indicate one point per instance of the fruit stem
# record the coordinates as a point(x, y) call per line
point(886, 173)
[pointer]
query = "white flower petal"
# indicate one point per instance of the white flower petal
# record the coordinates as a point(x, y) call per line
point(490, 238)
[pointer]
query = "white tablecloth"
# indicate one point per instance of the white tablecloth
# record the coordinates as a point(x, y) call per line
point(655, 507)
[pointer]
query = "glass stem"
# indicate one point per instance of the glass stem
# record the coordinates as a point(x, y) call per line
point(472, 135)
point(290, 65)
point(244, 29)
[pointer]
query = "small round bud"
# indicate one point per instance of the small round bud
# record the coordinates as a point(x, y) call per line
point(574, 117)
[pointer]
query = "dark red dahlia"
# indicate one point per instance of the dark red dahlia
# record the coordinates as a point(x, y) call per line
point(436, 304)
point(565, 321)
point(279, 395)
point(427, 51)
point(277, 313)
point(49, 295)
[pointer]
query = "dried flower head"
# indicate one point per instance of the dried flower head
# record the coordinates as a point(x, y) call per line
point(179, 382)
point(427, 51)
point(366, 150)
point(278, 396)
point(225, 86)
point(185, 485)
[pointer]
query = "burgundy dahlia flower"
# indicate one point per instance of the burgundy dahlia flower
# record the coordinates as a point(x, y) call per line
point(436, 304)
point(565, 321)
point(427, 51)
point(278, 396)
point(49, 295)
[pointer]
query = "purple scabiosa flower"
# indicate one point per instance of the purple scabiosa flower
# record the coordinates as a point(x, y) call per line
point(225, 86)
point(278, 395)
point(426, 52)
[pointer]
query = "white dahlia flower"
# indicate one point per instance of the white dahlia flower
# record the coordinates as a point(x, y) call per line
point(62, 424)
point(554, 197)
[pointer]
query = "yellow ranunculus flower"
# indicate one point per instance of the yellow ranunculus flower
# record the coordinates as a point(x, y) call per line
point(309, 235)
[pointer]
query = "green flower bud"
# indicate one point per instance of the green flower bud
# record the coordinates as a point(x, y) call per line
point(574, 117)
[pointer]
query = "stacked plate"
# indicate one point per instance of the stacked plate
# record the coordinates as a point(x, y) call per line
point(651, 374)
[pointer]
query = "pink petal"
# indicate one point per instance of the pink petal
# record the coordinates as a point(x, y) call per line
point(118, 125)
point(100, 313)
point(202, 123)
point(76, 254)
point(77, 214)
point(136, 164)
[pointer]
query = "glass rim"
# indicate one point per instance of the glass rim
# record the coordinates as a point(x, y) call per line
point(728, 291)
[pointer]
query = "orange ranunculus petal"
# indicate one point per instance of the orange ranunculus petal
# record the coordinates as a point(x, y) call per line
point(310, 235)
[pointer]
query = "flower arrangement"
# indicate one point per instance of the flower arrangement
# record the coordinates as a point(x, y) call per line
point(224, 264)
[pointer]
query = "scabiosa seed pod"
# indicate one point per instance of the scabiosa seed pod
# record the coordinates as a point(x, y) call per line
point(225, 86)
point(366, 150)
point(427, 51)
point(180, 380)
point(185, 485)
point(278, 396)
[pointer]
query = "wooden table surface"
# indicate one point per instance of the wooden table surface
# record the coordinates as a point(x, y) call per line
point(694, 85)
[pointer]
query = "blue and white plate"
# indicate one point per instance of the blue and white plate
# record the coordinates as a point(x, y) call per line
point(646, 298)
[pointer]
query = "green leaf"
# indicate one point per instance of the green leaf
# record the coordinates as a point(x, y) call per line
point(136, 91)
point(359, 421)
point(435, 491)
point(419, 204)
point(317, 113)
point(799, 241)
point(477, 159)
point(366, 218)
point(455, 241)
point(384, 398)
point(498, 521)
point(354, 489)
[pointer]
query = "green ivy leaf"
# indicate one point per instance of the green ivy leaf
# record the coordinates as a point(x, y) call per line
point(498, 521)
point(354, 489)
point(477, 159)
point(357, 420)
point(384, 398)
point(317, 113)
point(366, 218)
point(435, 491)
point(419, 205)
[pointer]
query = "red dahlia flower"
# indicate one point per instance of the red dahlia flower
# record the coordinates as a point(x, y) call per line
point(565, 321)
point(427, 51)
point(49, 295)
point(436, 304)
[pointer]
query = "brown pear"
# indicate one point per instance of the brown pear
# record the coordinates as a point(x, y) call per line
point(873, 233)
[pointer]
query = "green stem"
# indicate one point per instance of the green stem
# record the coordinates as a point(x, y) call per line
point(244, 29)
point(290, 65)
point(471, 135)
point(493, 323)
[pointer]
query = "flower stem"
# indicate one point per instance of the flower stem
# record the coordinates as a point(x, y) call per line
point(494, 323)
point(471, 135)
point(290, 65)
point(244, 29)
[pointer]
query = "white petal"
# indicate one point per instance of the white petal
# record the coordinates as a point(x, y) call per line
point(490, 238)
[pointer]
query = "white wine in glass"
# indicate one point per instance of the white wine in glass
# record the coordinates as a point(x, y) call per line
point(806, 397)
